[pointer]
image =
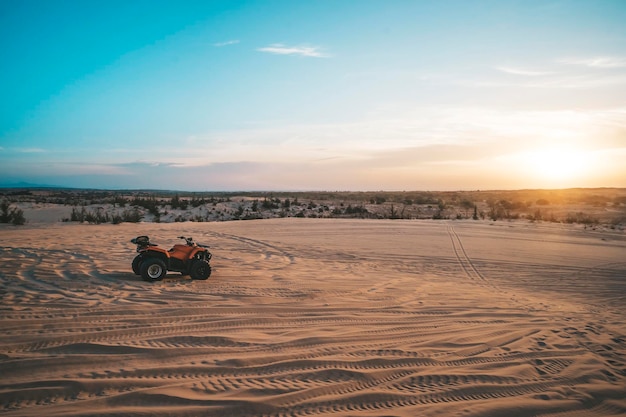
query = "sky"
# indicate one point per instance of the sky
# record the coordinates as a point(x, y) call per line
point(313, 95)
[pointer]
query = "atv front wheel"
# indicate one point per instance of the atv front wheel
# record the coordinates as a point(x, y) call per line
point(137, 265)
point(200, 270)
point(153, 269)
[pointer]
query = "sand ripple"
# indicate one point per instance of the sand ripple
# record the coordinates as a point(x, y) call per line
point(316, 317)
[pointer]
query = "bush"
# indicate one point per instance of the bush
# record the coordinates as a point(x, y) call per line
point(5, 217)
point(581, 218)
point(131, 216)
point(11, 215)
point(17, 217)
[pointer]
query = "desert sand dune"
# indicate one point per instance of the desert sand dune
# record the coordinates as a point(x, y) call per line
point(306, 317)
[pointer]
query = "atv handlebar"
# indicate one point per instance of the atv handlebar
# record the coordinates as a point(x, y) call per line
point(190, 242)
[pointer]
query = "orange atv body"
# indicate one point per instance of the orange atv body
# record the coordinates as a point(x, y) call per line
point(153, 262)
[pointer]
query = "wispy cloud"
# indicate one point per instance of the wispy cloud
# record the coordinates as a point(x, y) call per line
point(281, 49)
point(564, 77)
point(29, 150)
point(395, 130)
point(227, 43)
point(523, 71)
point(596, 62)
point(582, 81)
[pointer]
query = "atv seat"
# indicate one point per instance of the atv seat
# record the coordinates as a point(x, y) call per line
point(182, 252)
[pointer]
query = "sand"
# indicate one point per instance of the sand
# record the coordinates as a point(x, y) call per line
point(306, 317)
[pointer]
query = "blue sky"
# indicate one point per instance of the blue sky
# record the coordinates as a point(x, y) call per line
point(313, 95)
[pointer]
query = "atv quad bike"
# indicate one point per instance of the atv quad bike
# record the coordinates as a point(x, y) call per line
point(153, 262)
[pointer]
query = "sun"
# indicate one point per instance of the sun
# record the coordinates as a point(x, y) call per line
point(557, 166)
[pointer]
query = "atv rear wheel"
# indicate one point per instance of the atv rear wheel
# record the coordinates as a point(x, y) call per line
point(137, 265)
point(153, 269)
point(200, 270)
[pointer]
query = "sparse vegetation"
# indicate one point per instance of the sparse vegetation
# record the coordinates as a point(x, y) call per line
point(580, 206)
point(99, 215)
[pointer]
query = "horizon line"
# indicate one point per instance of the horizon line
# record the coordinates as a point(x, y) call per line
point(27, 186)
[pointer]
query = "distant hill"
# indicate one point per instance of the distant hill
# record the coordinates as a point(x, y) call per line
point(23, 184)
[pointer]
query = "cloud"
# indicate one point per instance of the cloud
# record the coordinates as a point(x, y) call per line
point(582, 81)
point(572, 73)
point(227, 43)
point(280, 49)
point(583, 78)
point(395, 130)
point(29, 150)
point(524, 72)
point(596, 62)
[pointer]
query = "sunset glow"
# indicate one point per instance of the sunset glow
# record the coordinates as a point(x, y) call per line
point(360, 95)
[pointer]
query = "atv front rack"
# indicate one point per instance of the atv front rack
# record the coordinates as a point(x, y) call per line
point(142, 242)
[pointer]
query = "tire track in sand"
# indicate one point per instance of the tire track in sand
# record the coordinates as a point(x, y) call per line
point(464, 260)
